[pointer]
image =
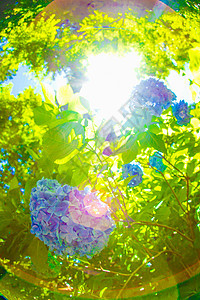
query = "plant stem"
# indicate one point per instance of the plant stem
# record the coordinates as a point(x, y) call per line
point(164, 226)
point(147, 250)
point(121, 195)
point(172, 191)
point(125, 214)
point(188, 212)
point(174, 166)
point(113, 272)
point(136, 270)
point(181, 261)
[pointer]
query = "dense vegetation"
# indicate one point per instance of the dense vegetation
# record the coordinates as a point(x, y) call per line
point(147, 170)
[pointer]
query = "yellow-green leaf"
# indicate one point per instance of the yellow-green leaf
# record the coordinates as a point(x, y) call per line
point(48, 93)
point(194, 55)
point(65, 95)
point(195, 123)
point(102, 291)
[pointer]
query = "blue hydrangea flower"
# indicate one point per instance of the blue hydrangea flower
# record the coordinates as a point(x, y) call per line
point(129, 170)
point(153, 95)
point(156, 161)
point(181, 112)
point(70, 221)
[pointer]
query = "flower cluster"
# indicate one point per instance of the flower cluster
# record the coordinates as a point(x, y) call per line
point(156, 161)
point(153, 95)
point(181, 112)
point(107, 151)
point(129, 170)
point(70, 221)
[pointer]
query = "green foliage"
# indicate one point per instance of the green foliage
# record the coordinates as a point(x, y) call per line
point(28, 43)
point(19, 134)
point(188, 5)
point(38, 45)
point(157, 42)
point(16, 10)
point(56, 139)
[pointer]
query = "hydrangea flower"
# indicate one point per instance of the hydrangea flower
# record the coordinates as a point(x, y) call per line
point(156, 161)
point(153, 95)
point(107, 151)
point(132, 170)
point(111, 137)
point(70, 221)
point(181, 112)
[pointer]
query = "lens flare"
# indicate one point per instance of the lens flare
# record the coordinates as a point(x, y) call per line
point(111, 78)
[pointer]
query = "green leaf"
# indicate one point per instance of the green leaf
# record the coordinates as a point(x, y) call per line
point(155, 141)
point(16, 242)
point(85, 103)
point(6, 218)
point(65, 95)
point(127, 180)
point(102, 291)
point(67, 116)
point(197, 238)
point(39, 255)
point(32, 153)
point(190, 167)
point(48, 93)
point(55, 141)
point(80, 174)
point(146, 212)
point(31, 183)
point(130, 154)
point(131, 143)
point(43, 115)
point(13, 184)
point(162, 213)
point(154, 128)
point(195, 123)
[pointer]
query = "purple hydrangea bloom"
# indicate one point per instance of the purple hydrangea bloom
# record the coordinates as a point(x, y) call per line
point(156, 161)
point(70, 221)
point(107, 151)
point(129, 170)
point(181, 112)
point(153, 95)
point(111, 137)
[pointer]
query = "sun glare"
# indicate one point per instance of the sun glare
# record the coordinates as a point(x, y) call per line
point(111, 78)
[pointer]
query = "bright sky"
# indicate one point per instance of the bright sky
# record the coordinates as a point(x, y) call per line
point(111, 79)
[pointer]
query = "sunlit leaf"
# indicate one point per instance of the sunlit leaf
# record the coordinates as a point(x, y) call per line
point(102, 291)
point(43, 114)
point(65, 95)
point(72, 152)
point(195, 123)
point(195, 63)
point(48, 93)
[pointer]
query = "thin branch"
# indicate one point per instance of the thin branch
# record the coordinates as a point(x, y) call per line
point(187, 269)
point(188, 212)
point(164, 226)
point(188, 190)
point(125, 214)
point(113, 272)
point(121, 196)
point(173, 166)
point(172, 191)
point(143, 264)
point(147, 250)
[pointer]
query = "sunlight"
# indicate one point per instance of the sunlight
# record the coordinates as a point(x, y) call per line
point(111, 78)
